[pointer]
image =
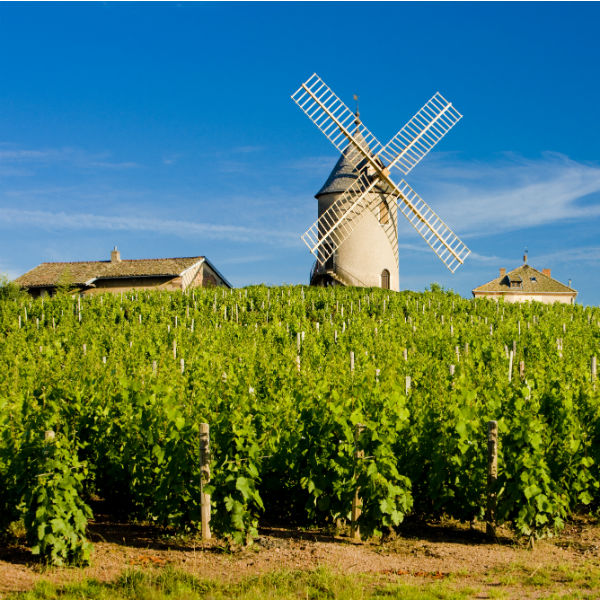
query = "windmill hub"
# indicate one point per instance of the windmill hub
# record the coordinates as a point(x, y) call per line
point(355, 238)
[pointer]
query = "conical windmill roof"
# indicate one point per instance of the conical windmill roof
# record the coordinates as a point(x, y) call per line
point(345, 173)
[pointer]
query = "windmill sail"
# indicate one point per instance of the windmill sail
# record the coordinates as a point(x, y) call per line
point(334, 118)
point(440, 238)
point(420, 134)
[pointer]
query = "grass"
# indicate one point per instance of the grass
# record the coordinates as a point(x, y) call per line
point(512, 581)
point(563, 581)
point(284, 585)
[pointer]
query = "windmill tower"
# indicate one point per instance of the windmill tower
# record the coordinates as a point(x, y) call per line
point(355, 238)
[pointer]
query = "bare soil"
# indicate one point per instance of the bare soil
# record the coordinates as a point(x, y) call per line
point(421, 552)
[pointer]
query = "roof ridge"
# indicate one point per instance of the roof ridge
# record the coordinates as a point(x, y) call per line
point(82, 262)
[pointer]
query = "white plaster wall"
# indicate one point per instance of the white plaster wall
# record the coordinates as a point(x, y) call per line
point(545, 298)
point(367, 251)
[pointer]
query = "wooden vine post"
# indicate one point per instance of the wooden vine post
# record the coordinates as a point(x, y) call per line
point(490, 515)
point(204, 479)
point(594, 370)
point(356, 501)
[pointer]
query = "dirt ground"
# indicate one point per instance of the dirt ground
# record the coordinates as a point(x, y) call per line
point(422, 552)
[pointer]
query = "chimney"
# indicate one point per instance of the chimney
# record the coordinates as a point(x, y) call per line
point(525, 257)
point(502, 271)
point(115, 255)
point(546, 272)
point(570, 283)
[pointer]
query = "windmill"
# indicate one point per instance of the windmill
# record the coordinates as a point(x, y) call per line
point(355, 238)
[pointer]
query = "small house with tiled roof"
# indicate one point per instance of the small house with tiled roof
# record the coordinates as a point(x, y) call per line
point(118, 275)
point(526, 284)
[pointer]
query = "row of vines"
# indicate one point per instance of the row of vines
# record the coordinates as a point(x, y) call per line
point(283, 376)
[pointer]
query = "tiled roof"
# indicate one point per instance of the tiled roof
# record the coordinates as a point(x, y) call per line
point(344, 173)
point(78, 273)
point(532, 281)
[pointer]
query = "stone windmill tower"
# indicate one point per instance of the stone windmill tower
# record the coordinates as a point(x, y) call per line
point(355, 238)
point(369, 256)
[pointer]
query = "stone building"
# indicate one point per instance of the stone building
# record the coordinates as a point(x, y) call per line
point(118, 275)
point(526, 284)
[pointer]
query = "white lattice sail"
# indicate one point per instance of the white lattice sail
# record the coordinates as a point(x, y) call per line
point(333, 117)
point(420, 134)
point(440, 238)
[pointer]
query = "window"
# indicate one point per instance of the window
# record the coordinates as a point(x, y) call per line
point(385, 279)
point(384, 213)
point(516, 281)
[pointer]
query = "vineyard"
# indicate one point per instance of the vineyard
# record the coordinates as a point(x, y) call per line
point(317, 399)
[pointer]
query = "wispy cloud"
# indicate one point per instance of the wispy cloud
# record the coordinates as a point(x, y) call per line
point(248, 259)
point(247, 149)
point(85, 221)
point(171, 159)
point(312, 163)
point(511, 193)
point(583, 254)
point(72, 156)
point(103, 164)
point(488, 259)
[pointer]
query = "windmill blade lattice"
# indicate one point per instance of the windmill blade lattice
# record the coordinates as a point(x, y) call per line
point(420, 134)
point(334, 118)
point(440, 238)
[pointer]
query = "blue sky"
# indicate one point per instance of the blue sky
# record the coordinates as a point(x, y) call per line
point(168, 129)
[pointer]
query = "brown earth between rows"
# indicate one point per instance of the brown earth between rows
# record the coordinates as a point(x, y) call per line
point(421, 552)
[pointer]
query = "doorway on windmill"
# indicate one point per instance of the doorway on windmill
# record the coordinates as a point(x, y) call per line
point(385, 279)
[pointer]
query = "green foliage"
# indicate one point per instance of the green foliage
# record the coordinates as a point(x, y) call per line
point(9, 290)
point(55, 514)
point(284, 439)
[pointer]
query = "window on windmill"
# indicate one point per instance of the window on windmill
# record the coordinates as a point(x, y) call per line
point(384, 212)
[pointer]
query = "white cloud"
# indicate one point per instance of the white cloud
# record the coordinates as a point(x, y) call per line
point(247, 149)
point(248, 259)
point(583, 254)
point(78, 221)
point(171, 159)
point(77, 157)
point(312, 163)
point(510, 194)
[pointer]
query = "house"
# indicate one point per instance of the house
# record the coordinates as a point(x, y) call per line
point(118, 275)
point(524, 284)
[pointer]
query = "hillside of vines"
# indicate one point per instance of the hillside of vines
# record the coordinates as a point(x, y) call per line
point(284, 377)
